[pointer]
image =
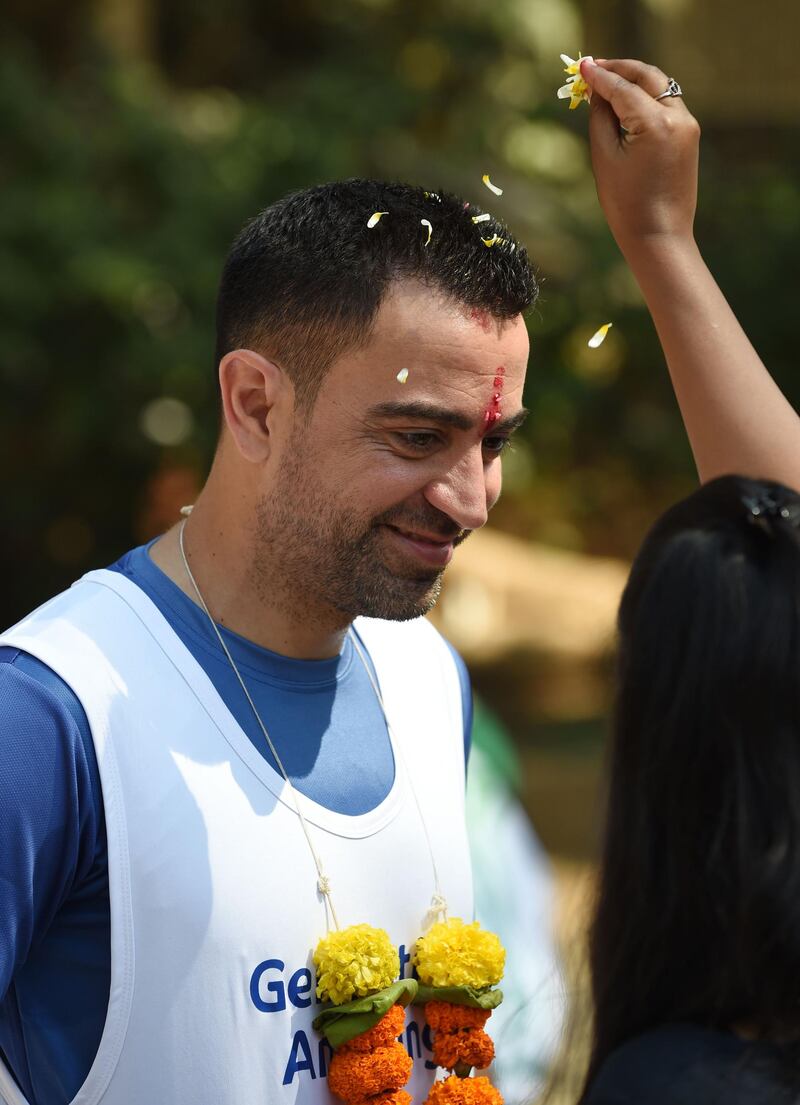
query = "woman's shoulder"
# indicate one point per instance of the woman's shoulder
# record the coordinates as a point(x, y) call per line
point(685, 1064)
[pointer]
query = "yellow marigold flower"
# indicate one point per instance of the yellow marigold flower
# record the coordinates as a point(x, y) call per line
point(354, 963)
point(576, 89)
point(454, 954)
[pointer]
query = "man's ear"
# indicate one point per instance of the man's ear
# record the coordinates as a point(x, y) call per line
point(253, 389)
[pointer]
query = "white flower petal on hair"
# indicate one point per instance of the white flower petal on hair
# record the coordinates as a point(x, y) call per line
point(492, 187)
point(402, 375)
point(373, 220)
point(432, 196)
point(430, 229)
point(484, 218)
point(600, 336)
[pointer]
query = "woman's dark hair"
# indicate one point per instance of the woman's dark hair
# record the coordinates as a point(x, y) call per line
point(698, 911)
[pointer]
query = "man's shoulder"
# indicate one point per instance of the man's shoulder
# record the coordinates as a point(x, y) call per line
point(38, 700)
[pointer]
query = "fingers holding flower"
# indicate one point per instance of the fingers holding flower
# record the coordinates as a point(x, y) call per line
point(645, 151)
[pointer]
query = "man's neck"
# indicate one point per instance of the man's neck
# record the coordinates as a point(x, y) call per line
point(221, 565)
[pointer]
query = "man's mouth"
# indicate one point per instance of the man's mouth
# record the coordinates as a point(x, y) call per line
point(433, 549)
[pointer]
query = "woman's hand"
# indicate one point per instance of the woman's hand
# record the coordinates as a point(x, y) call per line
point(735, 415)
point(644, 152)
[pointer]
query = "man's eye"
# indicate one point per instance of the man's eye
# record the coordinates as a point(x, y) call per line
point(496, 445)
point(419, 440)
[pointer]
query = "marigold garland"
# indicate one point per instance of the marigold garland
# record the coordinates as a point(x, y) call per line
point(369, 1068)
point(458, 965)
point(464, 1091)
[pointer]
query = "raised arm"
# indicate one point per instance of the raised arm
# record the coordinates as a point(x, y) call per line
point(736, 417)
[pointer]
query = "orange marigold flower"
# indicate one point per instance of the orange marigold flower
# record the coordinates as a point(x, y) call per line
point(354, 1075)
point(397, 1097)
point(387, 1029)
point(464, 1091)
point(444, 1016)
point(473, 1047)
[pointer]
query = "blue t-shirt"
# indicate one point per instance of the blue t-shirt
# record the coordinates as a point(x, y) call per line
point(55, 961)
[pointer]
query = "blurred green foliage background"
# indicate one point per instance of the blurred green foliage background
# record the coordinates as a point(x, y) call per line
point(138, 136)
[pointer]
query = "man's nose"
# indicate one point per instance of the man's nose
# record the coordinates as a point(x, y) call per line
point(466, 492)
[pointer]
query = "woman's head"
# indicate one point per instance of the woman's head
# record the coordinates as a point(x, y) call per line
point(698, 916)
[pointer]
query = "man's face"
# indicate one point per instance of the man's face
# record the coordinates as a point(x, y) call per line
point(379, 484)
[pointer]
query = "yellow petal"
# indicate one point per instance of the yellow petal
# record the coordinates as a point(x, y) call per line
point(402, 375)
point(492, 187)
point(373, 220)
point(600, 336)
point(430, 229)
point(484, 218)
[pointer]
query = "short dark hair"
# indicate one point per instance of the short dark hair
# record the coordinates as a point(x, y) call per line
point(698, 911)
point(305, 278)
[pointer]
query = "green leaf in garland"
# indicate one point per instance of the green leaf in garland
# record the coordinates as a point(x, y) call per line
point(459, 995)
point(340, 1023)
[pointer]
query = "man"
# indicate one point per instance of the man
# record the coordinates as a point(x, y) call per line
point(199, 778)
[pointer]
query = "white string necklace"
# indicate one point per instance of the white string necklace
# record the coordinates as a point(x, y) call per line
point(438, 901)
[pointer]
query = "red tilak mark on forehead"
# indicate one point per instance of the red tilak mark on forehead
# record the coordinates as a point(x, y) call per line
point(482, 318)
point(493, 409)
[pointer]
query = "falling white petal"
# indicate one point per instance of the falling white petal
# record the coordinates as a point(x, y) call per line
point(402, 375)
point(600, 336)
point(484, 218)
point(492, 187)
point(373, 220)
point(430, 229)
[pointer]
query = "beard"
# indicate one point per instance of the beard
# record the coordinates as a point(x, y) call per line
point(315, 556)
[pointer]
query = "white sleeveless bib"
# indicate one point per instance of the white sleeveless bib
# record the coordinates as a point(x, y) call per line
point(214, 905)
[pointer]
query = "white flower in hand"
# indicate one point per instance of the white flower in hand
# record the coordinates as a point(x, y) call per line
point(576, 89)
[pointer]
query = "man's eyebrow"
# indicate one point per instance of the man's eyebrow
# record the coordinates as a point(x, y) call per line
point(429, 412)
point(512, 423)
